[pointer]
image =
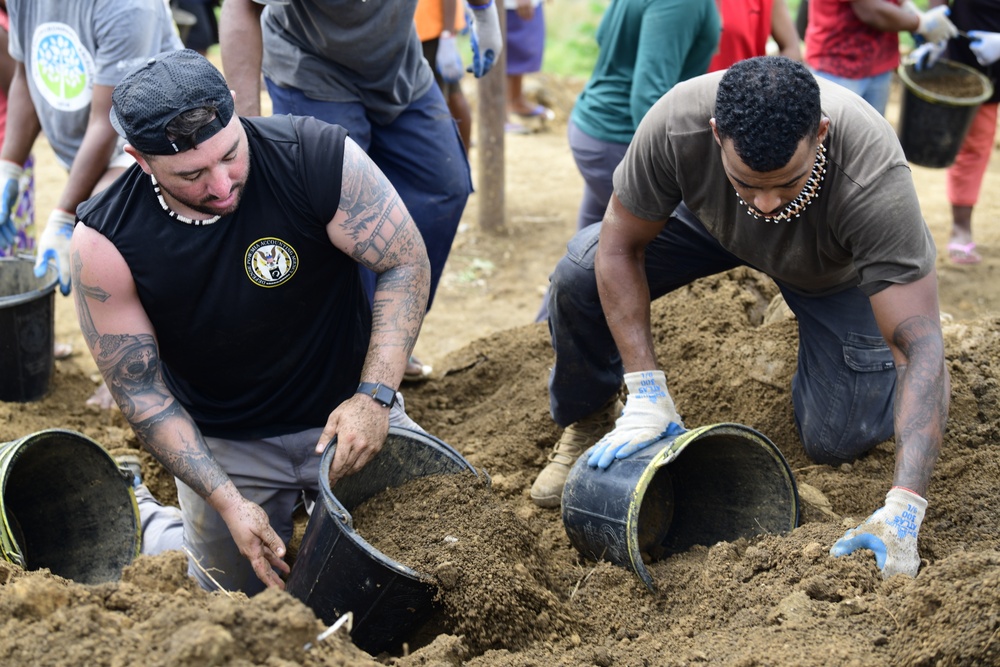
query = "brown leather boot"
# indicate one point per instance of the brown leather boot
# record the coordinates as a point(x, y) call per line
point(575, 440)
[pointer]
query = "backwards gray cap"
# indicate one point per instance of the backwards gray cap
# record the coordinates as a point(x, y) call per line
point(168, 84)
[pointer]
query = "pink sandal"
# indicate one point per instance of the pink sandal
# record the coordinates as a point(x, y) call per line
point(963, 253)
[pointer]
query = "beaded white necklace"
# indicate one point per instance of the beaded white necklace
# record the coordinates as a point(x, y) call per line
point(794, 208)
point(177, 216)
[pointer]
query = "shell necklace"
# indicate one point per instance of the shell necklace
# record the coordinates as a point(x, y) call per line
point(177, 216)
point(794, 208)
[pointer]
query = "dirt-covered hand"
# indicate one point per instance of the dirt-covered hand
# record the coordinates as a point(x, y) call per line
point(649, 416)
point(890, 533)
point(357, 428)
point(256, 540)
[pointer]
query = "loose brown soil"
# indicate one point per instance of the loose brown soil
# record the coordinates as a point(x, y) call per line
point(516, 592)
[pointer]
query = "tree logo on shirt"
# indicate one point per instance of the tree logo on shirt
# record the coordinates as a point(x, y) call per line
point(270, 262)
point(61, 68)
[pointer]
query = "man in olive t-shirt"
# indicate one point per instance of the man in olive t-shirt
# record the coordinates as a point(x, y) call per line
point(762, 166)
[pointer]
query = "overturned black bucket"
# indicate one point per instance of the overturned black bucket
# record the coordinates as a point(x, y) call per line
point(27, 330)
point(337, 571)
point(67, 507)
point(715, 483)
point(938, 107)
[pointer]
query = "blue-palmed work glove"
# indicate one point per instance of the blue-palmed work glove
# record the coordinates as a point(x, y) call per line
point(891, 533)
point(649, 416)
point(449, 62)
point(484, 33)
point(935, 26)
point(53, 247)
point(926, 55)
point(10, 188)
point(985, 46)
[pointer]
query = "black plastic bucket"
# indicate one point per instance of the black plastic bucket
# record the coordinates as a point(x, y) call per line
point(716, 483)
point(67, 506)
point(932, 122)
point(336, 571)
point(27, 330)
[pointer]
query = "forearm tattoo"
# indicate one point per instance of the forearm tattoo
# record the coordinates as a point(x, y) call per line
point(921, 406)
point(130, 365)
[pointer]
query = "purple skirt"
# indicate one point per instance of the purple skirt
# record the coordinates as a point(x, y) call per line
point(525, 42)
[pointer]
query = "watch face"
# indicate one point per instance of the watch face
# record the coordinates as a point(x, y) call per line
point(379, 392)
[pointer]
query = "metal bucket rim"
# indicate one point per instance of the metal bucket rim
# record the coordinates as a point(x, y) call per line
point(930, 96)
point(51, 280)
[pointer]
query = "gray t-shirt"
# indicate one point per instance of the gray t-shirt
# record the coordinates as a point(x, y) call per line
point(69, 47)
point(864, 228)
point(347, 51)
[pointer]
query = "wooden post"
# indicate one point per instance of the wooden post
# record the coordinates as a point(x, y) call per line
point(492, 92)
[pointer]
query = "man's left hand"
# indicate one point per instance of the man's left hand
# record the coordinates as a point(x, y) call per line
point(256, 540)
point(890, 533)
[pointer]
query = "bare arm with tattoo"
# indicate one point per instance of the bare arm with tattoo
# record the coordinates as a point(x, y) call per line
point(909, 319)
point(123, 343)
point(373, 226)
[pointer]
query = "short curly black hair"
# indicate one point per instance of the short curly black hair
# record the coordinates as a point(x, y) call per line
point(766, 106)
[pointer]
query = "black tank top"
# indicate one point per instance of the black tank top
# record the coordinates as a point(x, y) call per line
point(262, 323)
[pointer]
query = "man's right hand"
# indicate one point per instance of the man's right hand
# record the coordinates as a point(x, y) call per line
point(10, 188)
point(256, 540)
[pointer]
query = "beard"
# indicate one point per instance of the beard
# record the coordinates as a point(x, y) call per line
point(205, 205)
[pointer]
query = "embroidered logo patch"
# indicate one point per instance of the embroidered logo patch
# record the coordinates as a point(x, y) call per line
point(270, 262)
point(63, 71)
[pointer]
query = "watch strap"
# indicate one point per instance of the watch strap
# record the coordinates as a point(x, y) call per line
point(378, 391)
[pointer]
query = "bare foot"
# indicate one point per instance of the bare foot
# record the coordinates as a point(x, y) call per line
point(102, 398)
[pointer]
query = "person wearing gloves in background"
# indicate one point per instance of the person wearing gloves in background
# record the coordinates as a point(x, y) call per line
point(979, 48)
point(438, 24)
point(69, 57)
point(217, 288)
point(765, 165)
point(856, 42)
point(361, 65)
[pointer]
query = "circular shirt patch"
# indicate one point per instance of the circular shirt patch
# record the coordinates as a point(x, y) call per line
point(270, 262)
point(62, 69)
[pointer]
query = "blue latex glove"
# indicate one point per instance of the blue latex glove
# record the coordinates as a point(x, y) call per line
point(935, 26)
point(53, 247)
point(985, 46)
point(487, 41)
point(449, 62)
point(890, 533)
point(10, 188)
point(927, 54)
point(649, 416)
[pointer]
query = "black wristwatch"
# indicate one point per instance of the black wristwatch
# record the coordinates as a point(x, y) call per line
point(381, 393)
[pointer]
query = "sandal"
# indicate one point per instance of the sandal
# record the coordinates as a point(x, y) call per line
point(416, 371)
point(62, 350)
point(963, 253)
point(540, 112)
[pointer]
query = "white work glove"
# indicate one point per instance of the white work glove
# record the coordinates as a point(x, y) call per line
point(891, 533)
point(935, 26)
point(649, 416)
point(926, 55)
point(53, 247)
point(985, 46)
point(485, 36)
point(10, 188)
point(449, 62)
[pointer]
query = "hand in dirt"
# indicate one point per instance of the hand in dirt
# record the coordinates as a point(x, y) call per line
point(360, 426)
point(256, 540)
point(649, 416)
point(890, 533)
